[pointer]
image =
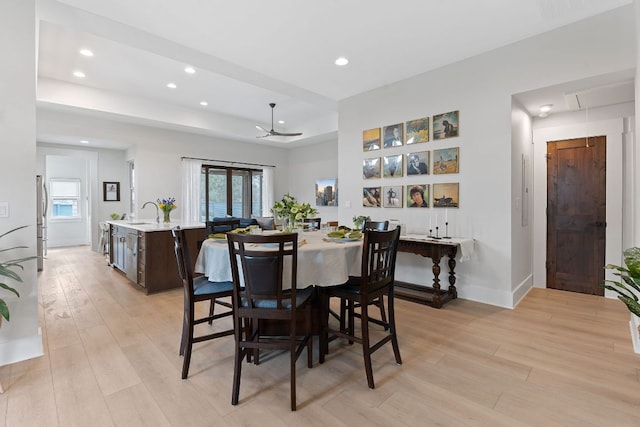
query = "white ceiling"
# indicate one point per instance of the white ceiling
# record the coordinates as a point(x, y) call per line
point(250, 53)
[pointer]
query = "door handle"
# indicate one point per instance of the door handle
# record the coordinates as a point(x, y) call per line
point(601, 223)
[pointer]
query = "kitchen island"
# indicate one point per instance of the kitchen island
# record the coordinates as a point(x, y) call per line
point(144, 251)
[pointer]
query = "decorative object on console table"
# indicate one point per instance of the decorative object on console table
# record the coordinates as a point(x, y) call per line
point(628, 290)
point(292, 212)
point(358, 221)
point(167, 205)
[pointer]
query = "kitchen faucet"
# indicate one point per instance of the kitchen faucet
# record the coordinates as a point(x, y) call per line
point(157, 210)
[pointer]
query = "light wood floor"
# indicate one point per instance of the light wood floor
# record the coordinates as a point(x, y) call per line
point(111, 358)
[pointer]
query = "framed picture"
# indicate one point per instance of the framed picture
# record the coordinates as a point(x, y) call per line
point(371, 197)
point(371, 168)
point(418, 163)
point(392, 166)
point(446, 160)
point(393, 135)
point(418, 196)
point(417, 131)
point(446, 195)
point(111, 191)
point(371, 139)
point(392, 196)
point(327, 192)
point(445, 125)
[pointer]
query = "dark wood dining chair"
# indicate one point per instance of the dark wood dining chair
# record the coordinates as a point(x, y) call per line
point(314, 223)
point(376, 279)
point(197, 289)
point(222, 225)
point(377, 226)
point(259, 264)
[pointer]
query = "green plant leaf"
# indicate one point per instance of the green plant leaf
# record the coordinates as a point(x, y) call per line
point(10, 289)
point(632, 305)
point(4, 310)
point(632, 261)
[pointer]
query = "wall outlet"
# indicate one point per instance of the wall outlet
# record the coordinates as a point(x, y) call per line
point(4, 209)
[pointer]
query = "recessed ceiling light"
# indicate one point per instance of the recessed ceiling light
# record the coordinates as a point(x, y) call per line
point(86, 52)
point(79, 74)
point(281, 122)
point(204, 103)
point(546, 108)
point(84, 141)
point(171, 85)
point(189, 70)
point(543, 114)
point(342, 61)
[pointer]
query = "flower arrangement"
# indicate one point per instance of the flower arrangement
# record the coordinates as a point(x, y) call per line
point(289, 208)
point(359, 221)
point(167, 205)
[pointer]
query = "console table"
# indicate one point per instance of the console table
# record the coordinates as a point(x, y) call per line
point(434, 249)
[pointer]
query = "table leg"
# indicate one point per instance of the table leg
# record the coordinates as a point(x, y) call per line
point(436, 302)
point(323, 342)
point(452, 277)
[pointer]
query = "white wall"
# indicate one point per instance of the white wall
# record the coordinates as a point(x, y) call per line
point(308, 164)
point(521, 199)
point(480, 88)
point(19, 338)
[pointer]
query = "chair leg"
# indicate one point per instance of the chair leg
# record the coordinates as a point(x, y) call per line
point(292, 363)
point(187, 353)
point(352, 324)
point(392, 327)
point(185, 332)
point(309, 338)
point(211, 309)
point(366, 348)
point(383, 315)
point(237, 370)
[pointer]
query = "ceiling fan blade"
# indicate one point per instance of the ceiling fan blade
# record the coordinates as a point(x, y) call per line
point(276, 133)
point(261, 128)
point(264, 136)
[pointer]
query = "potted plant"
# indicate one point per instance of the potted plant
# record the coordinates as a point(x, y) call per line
point(628, 289)
point(7, 271)
point(358, 221)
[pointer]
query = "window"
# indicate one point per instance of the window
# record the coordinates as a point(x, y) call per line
point(65, 198)
point(229, 191)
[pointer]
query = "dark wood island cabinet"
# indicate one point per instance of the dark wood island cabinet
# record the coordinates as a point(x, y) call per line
point(144, 252)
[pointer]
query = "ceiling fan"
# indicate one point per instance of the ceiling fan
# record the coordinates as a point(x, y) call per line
point(273, 132)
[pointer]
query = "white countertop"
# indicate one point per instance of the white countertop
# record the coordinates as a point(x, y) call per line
point(148, 225)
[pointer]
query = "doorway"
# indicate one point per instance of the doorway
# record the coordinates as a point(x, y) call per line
point(576, 213)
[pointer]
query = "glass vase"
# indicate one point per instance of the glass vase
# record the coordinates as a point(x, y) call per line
point(167, 217)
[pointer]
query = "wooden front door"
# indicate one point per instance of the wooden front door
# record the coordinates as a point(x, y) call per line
point(576, 212)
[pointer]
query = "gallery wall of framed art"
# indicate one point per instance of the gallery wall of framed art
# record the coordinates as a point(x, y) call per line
point(403, 154)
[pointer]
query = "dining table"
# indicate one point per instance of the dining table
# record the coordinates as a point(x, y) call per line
point(322, 261)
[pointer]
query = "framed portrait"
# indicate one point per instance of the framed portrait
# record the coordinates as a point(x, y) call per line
point(110, 191)
point(371, 197)
point(371, 168)
point(392, 196)
point(327, 192)
point(446, 125)
point(392, 166)
point(418, 196)
point(371, 139)
point(393, 135)
point(446, 195)
point(446, 160)
point(418, 163)
point(417, 131)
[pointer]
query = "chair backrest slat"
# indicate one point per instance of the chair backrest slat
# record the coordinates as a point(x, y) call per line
point(378, 259)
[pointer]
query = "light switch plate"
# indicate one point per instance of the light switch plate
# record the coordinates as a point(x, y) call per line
point(4, 209)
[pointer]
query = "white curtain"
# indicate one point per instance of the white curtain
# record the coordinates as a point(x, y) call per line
point(267, 190)
point(191, 170)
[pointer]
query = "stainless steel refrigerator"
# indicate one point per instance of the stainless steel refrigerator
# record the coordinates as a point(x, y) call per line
point(41, 220)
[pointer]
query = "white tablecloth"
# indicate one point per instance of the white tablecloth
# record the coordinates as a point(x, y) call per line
point(320, 262)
